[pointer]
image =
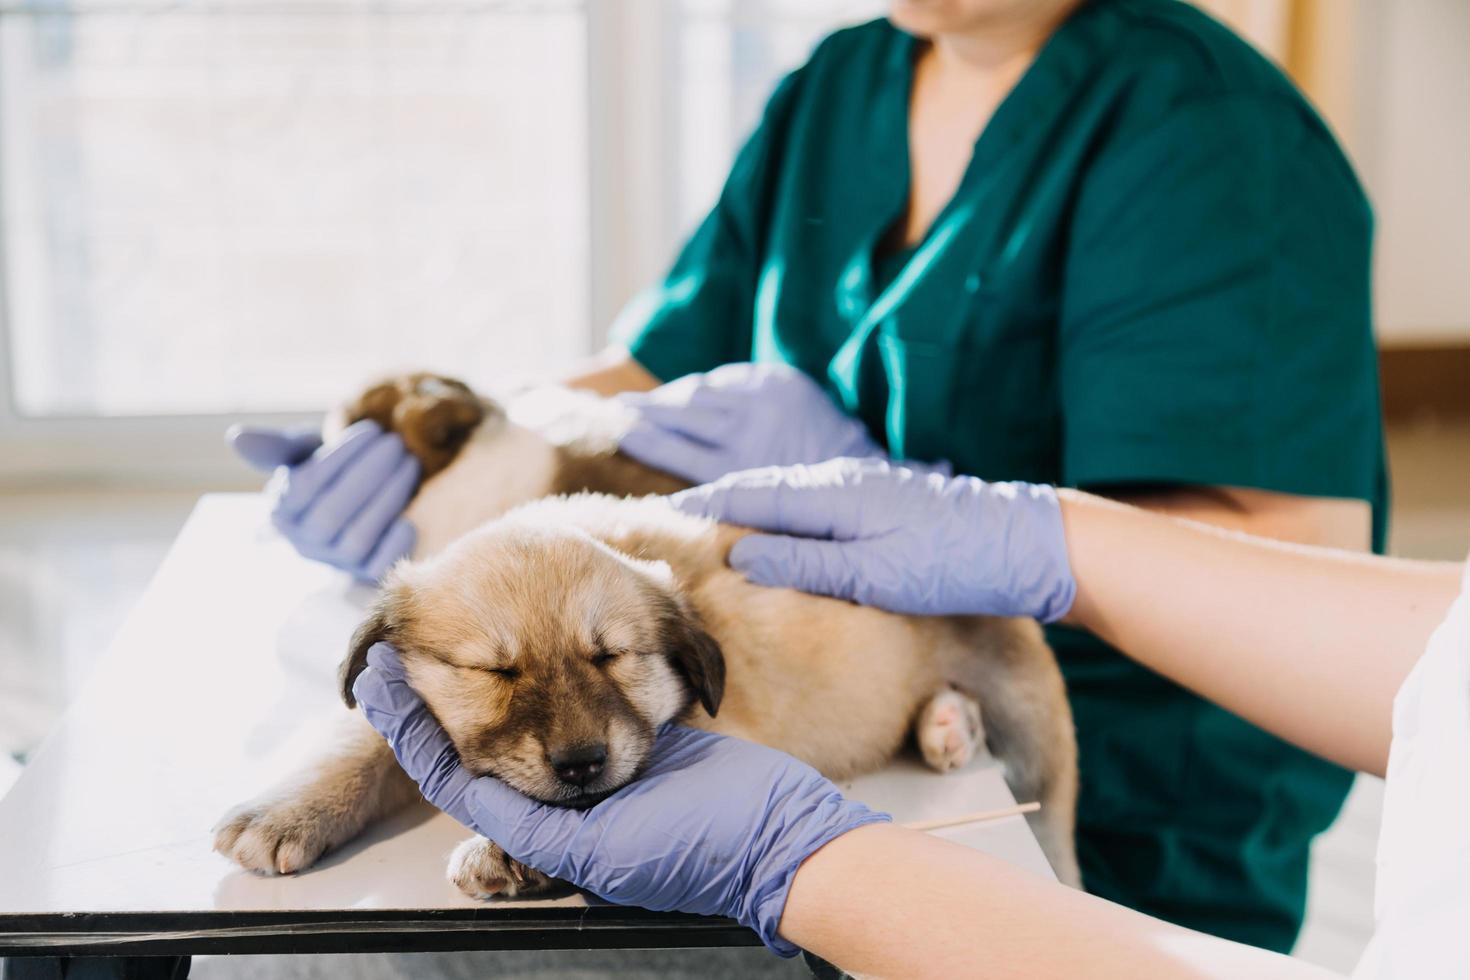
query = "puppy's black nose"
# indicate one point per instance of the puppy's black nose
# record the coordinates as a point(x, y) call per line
point(580, 764)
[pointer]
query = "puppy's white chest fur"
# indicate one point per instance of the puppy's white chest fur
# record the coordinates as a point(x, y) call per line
point(502, 466)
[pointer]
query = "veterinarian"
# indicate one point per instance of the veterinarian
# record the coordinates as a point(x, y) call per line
point(1101, 245)
point(1309, 643)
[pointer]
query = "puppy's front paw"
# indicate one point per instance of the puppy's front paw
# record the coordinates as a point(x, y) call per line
point(949, 730)
point(275, 836)
point(480, 869)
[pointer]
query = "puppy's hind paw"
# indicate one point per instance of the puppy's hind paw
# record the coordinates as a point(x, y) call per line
point(949, 730)
point(479, 868)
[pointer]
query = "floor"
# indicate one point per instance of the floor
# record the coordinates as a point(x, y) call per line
point(73, 563)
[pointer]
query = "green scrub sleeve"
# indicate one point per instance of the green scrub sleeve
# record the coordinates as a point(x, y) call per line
point(700, 316)
point(1215, 324)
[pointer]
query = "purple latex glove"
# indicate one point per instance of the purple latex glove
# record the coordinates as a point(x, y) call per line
point(340, 504)
point(702, 426)
point(888, 536)
point(714, 825)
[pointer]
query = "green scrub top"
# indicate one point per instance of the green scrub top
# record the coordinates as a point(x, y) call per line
point(1154, 272)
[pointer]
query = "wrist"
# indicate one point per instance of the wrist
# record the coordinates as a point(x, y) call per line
point(813, 906)
point(763, 906)
point(1084, 517)
point(1059, 596)
point(610, 372)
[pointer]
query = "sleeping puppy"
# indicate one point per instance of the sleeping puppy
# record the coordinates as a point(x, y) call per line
point(480, 459)
point(552, 643)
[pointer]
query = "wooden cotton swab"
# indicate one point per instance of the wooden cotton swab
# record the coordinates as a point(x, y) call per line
point(976, 817)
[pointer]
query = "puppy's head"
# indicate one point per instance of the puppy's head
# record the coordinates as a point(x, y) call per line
point(434, 415)
point(548, 657)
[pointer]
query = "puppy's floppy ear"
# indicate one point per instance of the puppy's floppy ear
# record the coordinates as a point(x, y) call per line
point(696, 656)
point(381, 626)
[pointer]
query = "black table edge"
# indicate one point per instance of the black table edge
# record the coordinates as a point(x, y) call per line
point(360, 931)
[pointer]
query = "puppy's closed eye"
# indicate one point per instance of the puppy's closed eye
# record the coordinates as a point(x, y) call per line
point(507, 672)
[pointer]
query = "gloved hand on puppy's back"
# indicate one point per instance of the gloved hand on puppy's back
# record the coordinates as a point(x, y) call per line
point(889, 536)
point(342, 503)
point(714, 825)
point(702, 426)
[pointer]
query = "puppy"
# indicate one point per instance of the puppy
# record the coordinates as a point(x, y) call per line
point(553, 642)
point(480, 459)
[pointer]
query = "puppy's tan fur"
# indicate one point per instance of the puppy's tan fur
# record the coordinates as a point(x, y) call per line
point(615, 615)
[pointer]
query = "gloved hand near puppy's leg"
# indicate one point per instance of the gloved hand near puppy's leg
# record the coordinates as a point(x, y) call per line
point(343, 503)
point(714, 825)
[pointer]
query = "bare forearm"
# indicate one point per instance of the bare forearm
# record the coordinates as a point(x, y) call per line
point(889, 902)
point(1326, 521)
point(611, 372)
point(1308, 643)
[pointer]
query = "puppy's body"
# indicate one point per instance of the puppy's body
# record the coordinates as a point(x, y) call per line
point(835, 684)
point(543, 590)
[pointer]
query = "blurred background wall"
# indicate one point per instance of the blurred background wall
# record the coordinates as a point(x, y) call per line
point(220, 209)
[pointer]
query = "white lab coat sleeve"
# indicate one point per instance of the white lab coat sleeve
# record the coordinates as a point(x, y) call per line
point(1422, 897)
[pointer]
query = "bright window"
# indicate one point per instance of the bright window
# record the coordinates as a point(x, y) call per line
point(222, 207)
point(254, 206)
